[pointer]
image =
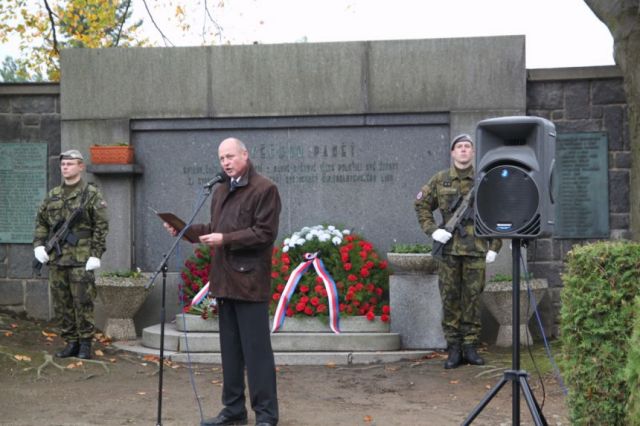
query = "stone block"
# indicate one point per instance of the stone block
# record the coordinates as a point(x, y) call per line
point(5, 104)
point(576, 98)
point(38, 303)
point(50, 131)
point(618, 191)
point(11, 292)
point(31, 120)
point(619, 221)
point(621, 160)
point(34, 104)
point(613, 124)
point(20, 257)
point(416, 311)
point(547, 95)
point(609, 91)
point(11, 125)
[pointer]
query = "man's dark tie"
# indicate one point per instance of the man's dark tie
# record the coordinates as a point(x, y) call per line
point(234, 185)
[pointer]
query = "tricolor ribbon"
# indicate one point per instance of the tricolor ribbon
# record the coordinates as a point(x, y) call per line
point(292, 283)
point(200, 295)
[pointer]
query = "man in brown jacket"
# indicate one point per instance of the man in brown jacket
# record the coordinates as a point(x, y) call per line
point(245, 213)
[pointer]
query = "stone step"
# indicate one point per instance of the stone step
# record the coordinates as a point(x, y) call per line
point(194, 342)
point(282, 358)
point(359, 324)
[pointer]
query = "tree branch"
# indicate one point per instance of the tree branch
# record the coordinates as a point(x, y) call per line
point(53, 27)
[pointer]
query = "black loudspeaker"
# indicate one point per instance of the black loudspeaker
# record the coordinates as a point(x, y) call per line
point(515, 159)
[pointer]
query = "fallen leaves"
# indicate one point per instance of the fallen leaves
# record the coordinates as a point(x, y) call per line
point(48, 334)
point(8, 333)
point(26, 358)
point(367, 419)
point(98, 352)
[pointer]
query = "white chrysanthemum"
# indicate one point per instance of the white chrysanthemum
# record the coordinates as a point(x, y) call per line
point(331, 227)
point(324, 237)
point(285, 249)
point(346, 232)
point(336, 241)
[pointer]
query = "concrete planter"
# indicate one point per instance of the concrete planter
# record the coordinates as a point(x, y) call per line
point(497, 298)
point(416, 263)
point(121, 298)
point(359, 324)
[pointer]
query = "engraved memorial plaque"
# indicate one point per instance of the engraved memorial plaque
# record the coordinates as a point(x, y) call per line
point(582, 209)
point(23, 186)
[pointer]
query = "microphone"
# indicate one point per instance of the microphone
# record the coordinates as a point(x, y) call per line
point(220, 177)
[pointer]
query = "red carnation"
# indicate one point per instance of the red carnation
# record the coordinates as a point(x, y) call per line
point(383, 264)
point(276, 296)
point(347, 266)
point(386, 309)
point(308, 310)
point(304, 288)
point(371, 316)
point(352, 277)
point(321, 308)
point(384, 318)
point(300, 307)
point(284, 269)
point(304, 299)
point(379, 291)
point(274, 275)
point(280, 288)
point(289, 312)
point(315, 301)
point(364, 272)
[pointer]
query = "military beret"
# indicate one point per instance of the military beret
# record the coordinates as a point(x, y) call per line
point(72, 154)
point(460, 138)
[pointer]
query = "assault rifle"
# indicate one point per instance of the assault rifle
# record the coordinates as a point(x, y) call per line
point(61, 234)
point(463, 210)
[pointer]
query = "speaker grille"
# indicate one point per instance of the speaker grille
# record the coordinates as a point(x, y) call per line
point(507, 201)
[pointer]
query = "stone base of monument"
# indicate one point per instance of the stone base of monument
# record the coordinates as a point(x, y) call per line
point(303, 341)
point(497, 298)
point(414, 298)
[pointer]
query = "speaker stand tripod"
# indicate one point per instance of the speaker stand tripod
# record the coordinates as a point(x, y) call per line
point(517, 377)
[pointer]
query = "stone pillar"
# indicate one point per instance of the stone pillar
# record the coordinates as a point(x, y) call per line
point(416, 306)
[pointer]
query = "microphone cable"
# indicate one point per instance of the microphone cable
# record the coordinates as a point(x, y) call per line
point(532, 302)
point(180, 264)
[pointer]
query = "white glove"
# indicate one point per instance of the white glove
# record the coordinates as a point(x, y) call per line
point(41, 254)
point(491, 256)
point(441, 236)
point(92, 263)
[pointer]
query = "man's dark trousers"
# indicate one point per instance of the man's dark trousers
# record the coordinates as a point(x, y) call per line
point(245, 340)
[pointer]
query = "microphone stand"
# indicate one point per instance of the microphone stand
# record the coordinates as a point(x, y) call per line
point(163, 267)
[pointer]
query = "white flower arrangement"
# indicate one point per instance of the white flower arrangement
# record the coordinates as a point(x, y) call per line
point(319, 232)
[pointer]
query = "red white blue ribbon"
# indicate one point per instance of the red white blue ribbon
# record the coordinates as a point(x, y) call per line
point(292, 283)
point(199, 297)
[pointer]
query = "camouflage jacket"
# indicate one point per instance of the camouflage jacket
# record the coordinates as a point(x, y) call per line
point(441, 192)
point(91, 228)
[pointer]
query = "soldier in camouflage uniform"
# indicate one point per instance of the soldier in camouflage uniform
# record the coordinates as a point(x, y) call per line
point(71, 272)
point(462, 271)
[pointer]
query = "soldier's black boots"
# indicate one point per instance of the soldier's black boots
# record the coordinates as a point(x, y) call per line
point(471, 356)
point(455, 357)
point(71, 349)
point(85, 349)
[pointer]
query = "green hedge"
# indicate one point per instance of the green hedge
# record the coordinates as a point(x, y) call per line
point(597, 314)
point(633, 371)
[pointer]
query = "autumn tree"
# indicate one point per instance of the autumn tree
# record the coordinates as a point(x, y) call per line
point(44, 27)
point(622, 17)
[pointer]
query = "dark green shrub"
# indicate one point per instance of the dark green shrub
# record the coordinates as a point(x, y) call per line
point(633, 371)
point(600, 284)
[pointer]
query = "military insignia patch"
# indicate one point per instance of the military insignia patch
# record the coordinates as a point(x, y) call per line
point(419, 196)
point(103, 204)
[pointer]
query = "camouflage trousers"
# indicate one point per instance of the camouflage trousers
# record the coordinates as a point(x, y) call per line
point(461, 281)
point(73, 290)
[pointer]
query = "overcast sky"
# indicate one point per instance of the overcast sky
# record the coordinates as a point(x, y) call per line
point(559, 33)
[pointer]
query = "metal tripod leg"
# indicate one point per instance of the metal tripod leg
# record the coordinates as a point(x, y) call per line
point(534, 408)
point(488, 397)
